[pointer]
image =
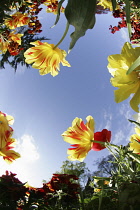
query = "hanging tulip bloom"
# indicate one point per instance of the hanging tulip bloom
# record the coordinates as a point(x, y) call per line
point(5, 129)
point(17, 19)
point(82, 137)
point(134, 144)
point(46, 58)
point(5, 150)
point(127, 83)
point(6, 142)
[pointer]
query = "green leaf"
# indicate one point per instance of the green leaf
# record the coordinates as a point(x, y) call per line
point(127, 10)
point(58, 12)
point(134, 156)
point(113, 4)
point(137, 124)
point(80, 14)
point(134, 65)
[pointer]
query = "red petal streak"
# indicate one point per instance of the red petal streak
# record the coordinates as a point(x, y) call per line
point(30, 53)
point(75, 146)
point(83, 126)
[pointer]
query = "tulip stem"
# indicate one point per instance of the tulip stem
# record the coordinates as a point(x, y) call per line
point(104, 143)
point(65, 33)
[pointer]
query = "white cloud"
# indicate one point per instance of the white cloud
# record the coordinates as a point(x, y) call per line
point(131, 131)
point(26, 166)
point(108, 120)
point(27, 148)
point(126, 129)
point(118, 137)
point(108, 125)
point(107, 115)
point(125, 110)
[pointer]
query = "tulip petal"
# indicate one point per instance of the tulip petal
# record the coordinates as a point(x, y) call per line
point(46, 58)
point(80, 136)
point(127, 84)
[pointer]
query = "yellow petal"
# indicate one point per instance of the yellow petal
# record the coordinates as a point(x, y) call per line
point(90, 122)
point(134, 145)
point(80, 136)
point(46, 58)
point(127, 83)
point(135, 101)
point(124, 92)
point(10, 156)
point(10, 119)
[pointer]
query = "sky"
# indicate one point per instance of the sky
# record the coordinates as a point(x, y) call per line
point(44, 106)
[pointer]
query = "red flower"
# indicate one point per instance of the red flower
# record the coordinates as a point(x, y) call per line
point(12, 189)
point(103, 136)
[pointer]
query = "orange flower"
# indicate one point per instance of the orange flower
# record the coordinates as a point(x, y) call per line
point(52, 6)
point(18, 19)
point(3, 45)
point(15, 37)
point(4, 41)
point(46, 58)
point(14, 49)
point(8, 40)
point(50, 2)
point(96, 190)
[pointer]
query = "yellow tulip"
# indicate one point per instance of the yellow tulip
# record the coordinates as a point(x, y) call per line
point(134, 144)
point(80, 135)
point(17, 19)
point(127, 84)
point(5, 129)
point(46, 58)
point(5, 150)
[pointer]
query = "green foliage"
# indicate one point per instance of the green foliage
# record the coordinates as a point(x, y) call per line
point(127, 10)
point(124, 184)
point(136, 123)
point(19, 59)
point(6, 5)
point(134, 66)
point(106, 166)
point(58, 13)
point(80, 14)
point(114, 4)
point(79, 169)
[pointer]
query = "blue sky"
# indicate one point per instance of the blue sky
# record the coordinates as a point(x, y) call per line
point(45, 106)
